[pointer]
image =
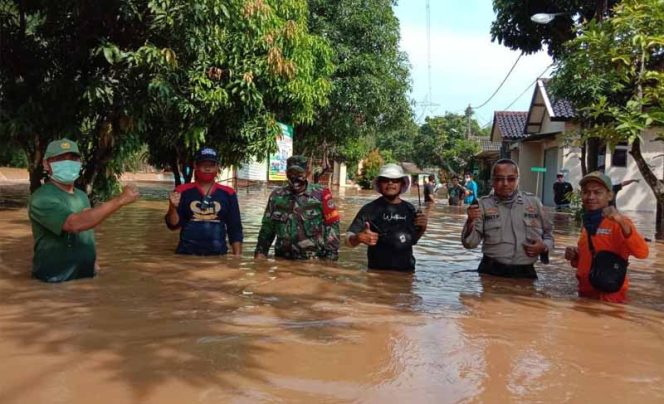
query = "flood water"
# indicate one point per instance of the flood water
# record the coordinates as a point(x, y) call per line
point(154, 327)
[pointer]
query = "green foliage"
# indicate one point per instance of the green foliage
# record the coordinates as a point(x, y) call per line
point(613, 72)
point(514, 28)
point(442, 141)
point(372, 163)
point(370, 82)
point(173, 74)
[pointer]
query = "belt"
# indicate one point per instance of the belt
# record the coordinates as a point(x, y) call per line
point(492, 267)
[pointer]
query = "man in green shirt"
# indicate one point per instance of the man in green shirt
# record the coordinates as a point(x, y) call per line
point(62, 219)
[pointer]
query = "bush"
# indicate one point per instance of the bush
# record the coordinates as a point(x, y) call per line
point(372, 163)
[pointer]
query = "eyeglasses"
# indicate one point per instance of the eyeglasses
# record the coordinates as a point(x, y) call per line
point(392, 180)
point(510, 179)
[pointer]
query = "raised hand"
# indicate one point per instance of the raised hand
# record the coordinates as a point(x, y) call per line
point(129, 194)
point(174, 199)
point(366, 236)
point(473, 213)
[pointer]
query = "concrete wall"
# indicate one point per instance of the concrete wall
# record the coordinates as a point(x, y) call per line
point(638, 196)
point(634, 197)
point(531, 154)
point(339, 177)
point(551, 127)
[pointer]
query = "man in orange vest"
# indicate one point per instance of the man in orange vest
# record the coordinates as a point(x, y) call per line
point(609, 230)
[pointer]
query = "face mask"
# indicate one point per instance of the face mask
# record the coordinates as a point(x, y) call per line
point(297, 183)
point(65, 171)
point(205, 177)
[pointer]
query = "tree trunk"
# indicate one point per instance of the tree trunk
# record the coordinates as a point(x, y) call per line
point(99, 157)
point(176, 171)
point(584, 167)
point(656, 185)
point(592, 154)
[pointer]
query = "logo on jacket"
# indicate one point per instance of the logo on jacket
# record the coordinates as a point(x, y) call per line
point(205, 213)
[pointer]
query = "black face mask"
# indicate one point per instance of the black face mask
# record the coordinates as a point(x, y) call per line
point(297, 183)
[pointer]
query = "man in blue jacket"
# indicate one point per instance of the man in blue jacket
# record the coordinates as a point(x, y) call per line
point(205, 212)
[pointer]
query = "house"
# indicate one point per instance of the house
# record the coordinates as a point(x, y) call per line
point(490, 152)
point(545, 148)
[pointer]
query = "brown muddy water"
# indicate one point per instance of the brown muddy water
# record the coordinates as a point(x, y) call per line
point(158, 328)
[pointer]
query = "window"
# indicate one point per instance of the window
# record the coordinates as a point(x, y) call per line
point(619, 156)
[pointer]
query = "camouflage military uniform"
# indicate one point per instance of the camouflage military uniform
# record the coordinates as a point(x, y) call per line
point(305, 225)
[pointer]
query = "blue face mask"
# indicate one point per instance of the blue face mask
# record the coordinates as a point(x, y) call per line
point(65, 171)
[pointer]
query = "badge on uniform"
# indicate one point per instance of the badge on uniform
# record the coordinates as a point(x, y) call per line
point(330, 212)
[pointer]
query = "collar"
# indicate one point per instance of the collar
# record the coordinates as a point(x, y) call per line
point(517, 197)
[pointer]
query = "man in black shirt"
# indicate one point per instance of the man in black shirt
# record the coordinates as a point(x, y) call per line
point(561, 190)
point(430, 189)
point(389, 226)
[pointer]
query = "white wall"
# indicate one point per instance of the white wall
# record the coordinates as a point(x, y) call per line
point(551, 127)
point(636, 196)
point(530, 155)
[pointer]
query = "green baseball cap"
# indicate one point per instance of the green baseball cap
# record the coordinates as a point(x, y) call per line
point(597, 176)
point(61, 146)
point(297, 162)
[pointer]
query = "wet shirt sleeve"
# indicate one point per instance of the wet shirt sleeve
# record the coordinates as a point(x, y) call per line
point(233, 220)
point(358, 222)
point(267, 232)
point(472, 238)
point(547, 227)
point(331, 228)
point(635, 243)
point(50, 211)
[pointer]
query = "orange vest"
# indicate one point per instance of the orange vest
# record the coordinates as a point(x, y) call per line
point(609, 237)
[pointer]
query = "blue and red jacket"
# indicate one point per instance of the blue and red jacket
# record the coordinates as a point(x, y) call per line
point(206, 220)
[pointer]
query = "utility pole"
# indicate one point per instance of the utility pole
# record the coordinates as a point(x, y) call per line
point(469, 114)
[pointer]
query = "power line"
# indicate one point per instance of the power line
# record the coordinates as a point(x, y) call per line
point(528, 88)
point(501, 83)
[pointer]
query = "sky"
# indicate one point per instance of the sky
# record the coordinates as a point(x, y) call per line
point(466, 67)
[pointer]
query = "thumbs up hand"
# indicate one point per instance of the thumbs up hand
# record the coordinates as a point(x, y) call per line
point(366, 236)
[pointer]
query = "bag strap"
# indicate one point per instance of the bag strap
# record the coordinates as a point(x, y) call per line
point(590, 243)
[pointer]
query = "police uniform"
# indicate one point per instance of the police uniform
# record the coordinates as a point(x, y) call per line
point(504, 227)
point(305, 225)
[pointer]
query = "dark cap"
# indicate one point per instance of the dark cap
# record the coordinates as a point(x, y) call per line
point(599, 177)
point(59, 147)
point(207, 154)
point(297, 163)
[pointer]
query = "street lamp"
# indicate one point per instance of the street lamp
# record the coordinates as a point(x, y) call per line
point(544, 18)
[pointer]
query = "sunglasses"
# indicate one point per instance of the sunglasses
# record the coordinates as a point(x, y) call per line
point(384, 180)
point(510, 179)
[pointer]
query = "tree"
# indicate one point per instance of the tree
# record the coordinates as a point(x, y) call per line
point(443, 141)
point(614, 72)
point(174, 74)
point(514, 28)
point(370, 82)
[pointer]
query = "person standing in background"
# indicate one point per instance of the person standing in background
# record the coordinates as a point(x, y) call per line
point(471, 189)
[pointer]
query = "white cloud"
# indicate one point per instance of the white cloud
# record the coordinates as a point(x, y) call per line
point(467, 68)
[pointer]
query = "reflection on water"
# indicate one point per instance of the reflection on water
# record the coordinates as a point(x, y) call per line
point(160, 328)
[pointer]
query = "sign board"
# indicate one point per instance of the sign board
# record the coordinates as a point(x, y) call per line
point(538, 169)
point(277, 161)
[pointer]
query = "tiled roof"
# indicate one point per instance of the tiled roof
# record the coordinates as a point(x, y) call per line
point(562, 108)
point(485, 143)
point(511, 123)
point(488, 145)
point(411, 168)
